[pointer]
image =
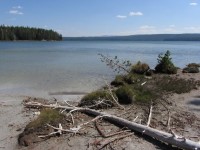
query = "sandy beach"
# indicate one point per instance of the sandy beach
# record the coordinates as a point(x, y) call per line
point(14, 118)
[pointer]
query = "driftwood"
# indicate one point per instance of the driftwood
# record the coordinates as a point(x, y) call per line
point(165, 137)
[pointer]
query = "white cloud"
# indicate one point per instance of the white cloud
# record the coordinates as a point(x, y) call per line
point(192, 29)
point(121, 16)
point(17, 7)
point(170, 29)
point(146, 29)
point(193, 4)
point(136, 13)
point(16, 12)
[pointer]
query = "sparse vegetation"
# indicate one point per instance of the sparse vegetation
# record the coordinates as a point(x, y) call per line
point(193, 65)
point(140, 68)
point(175, 85)
point(145, 95)
point(116, 64)
point(125, 95)
point(92, 98)
point(46, 116)
point(191, 68)
point(118, 81)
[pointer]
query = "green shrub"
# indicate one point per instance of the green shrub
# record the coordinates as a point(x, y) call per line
point(191, 70)
point(93, 97)
point(193, 65)
point(46, 116)
point(144, 95)
point(119, 80)
point(176, 85)
point(125, 95)
point(133, 78)
point(140, 68)
point(165, 64)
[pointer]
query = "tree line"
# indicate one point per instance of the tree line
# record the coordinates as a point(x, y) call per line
point(11, 33)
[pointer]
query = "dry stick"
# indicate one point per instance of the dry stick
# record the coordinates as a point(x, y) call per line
point(169, 119)
point(134, 120)
point(72, 118)
point(115, 139)
point(72, 130)
point(109, 135)
point(69, 104)
point(154, 133)
point(150, 116)
point(98, 103)
point(111, 94)
point(78, 127)
point(59, 131)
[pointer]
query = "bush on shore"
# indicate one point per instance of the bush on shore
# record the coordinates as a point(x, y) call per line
point(118, 81)
point(165, 64)
point(93, 97)
point(191, 68)
point(125, 95)
point(140, 68)
point(46, 116)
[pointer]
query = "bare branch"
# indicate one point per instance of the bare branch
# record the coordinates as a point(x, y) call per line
point(150, 115)
point(115, 139)
point(113, 97)
point(116, 64)
point(165, 137)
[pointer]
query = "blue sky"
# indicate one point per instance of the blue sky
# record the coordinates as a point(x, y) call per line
point(104, 17)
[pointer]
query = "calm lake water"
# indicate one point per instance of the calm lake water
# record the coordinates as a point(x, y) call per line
point(27, 68)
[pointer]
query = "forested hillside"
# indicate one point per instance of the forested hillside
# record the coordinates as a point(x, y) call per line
point(145, 37)
point(11, 33)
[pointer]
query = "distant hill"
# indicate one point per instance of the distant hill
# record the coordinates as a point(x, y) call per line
point(148, 37)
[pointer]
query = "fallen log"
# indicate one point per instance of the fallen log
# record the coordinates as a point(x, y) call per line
point(154, 133)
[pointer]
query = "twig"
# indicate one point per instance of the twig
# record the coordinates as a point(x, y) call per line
point(69, 104)
point(59, 131)
point(111, 94)
point(143, 83)
point(150, 115)
point(78, 127)
point(98, 103)
point(169, 119)
point(114, 139)
point(72, 118)
point(109, 135)
point(134, 120)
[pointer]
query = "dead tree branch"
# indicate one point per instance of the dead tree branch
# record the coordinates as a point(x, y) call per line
point(109, 135)
point(154, 133)
point(115, 139)
point(113, 97)
point(150, 116)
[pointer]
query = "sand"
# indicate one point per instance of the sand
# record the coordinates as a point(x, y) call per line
point(13, 120)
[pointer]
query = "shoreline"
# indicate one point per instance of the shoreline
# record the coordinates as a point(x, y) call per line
point(14, 118)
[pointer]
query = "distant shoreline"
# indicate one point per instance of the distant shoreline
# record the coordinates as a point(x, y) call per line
point(145, 37)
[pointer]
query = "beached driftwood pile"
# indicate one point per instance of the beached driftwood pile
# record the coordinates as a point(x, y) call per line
point(169, 138)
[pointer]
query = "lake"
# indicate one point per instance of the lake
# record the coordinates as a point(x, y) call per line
point(28, 68)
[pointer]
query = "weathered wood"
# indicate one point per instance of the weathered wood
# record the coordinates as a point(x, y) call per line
point(154, 133)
